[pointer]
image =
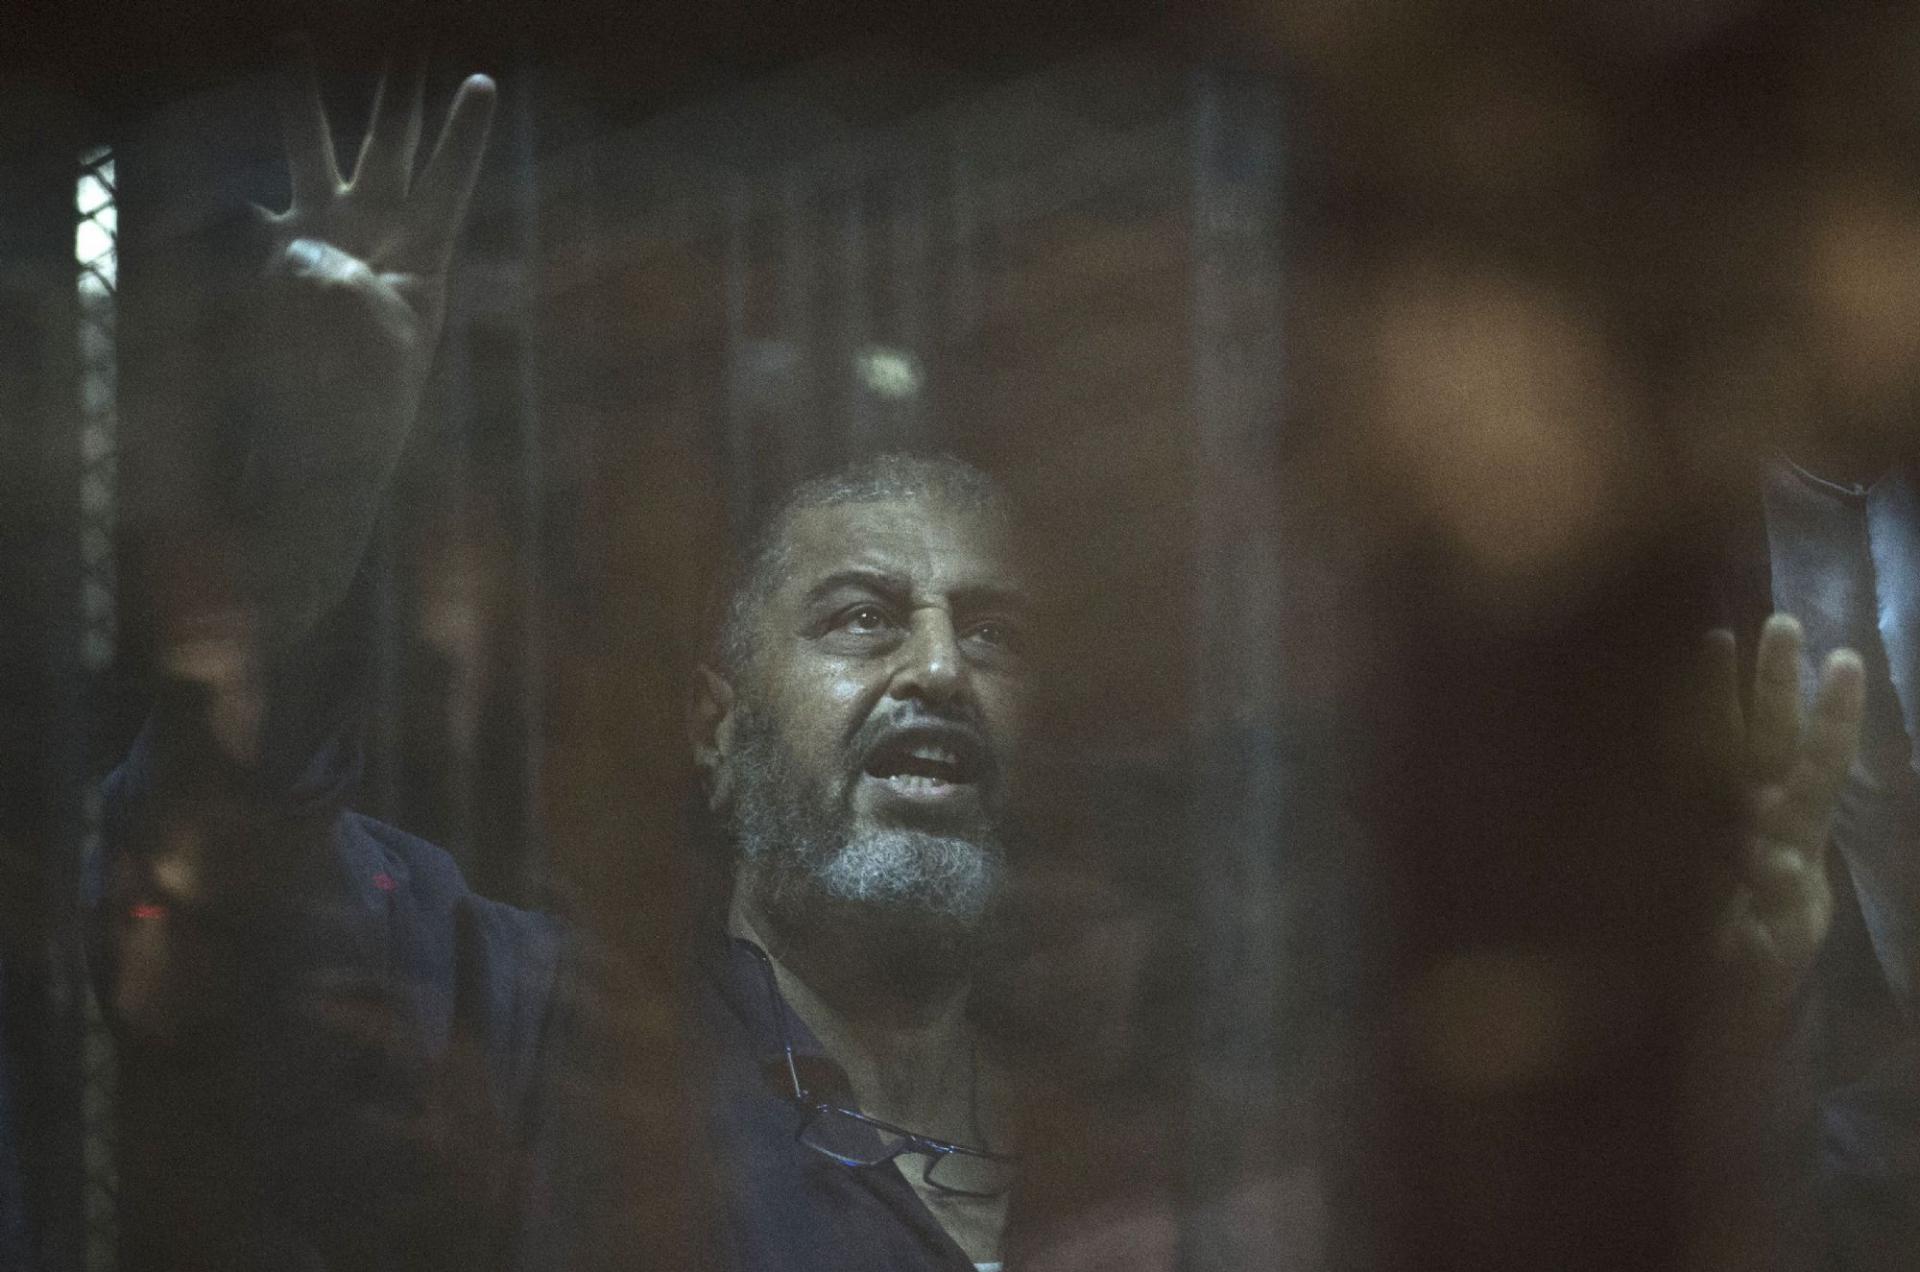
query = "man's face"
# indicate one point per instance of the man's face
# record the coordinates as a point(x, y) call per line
point(876, 721)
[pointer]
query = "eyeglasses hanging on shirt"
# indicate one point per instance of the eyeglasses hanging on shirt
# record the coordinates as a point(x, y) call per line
point(852, 1138)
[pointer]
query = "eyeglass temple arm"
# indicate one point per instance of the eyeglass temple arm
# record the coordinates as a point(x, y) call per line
point(779, 1006)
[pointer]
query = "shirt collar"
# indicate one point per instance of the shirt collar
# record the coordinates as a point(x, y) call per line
point(746, 985)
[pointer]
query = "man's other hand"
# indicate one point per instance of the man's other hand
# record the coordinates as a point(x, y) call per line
point(1788, 765)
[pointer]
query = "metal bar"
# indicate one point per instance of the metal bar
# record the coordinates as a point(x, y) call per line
point(799, 296)
point(48, 720)
point(856, 322)
point(532, 864)
point(96, 258)
point(909, 279)
point(964, 300)
point(1239, 835)
point(738, 282)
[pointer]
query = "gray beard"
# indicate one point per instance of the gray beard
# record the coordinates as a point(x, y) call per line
point(919, 900)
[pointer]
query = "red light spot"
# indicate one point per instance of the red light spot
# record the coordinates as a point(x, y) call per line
point(384, 882)
point(147, 910)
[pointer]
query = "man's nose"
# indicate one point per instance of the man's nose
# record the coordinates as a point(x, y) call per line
point(930, 666)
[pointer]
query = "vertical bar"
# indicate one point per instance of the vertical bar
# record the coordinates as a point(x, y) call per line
point(62, 1155)
point(380, 790)
point(15, 1233)
point(963, 283)
point(1239, 830)
point(856, 325)
point(738, 280)
point(444, 797)
point(45, 724)
point(525, 248)
point(97, 260)
point(488, 767)
point(799, 293)
point(909, 258)
point(692, 388)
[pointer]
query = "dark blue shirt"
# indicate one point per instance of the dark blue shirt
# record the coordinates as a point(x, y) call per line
point(415, 1077)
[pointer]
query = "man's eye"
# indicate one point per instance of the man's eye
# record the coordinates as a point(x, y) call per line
point(997, 634)
point(863, 618)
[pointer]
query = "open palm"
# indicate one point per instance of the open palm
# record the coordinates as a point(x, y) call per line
point(1789, 764)
point(351, 300)
point(401, 231)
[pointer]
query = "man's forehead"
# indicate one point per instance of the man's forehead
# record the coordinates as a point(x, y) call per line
point(937, 544)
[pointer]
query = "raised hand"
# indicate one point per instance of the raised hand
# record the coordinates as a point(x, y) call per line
point(401, 231)
point(352, 296)
point(1789, 766)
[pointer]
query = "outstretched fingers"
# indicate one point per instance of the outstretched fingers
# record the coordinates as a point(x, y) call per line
point(440, 197)
point(386, 157)
point(303, 120)
point(1827, 747)
point(1773, 724)
point(1720, 719)
point(1798, 763)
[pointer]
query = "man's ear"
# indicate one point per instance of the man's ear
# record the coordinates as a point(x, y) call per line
point(710, 733)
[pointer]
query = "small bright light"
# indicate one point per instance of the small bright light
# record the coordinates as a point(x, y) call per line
point(892, 373)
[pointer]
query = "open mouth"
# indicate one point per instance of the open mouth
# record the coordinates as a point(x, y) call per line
point(926, 761)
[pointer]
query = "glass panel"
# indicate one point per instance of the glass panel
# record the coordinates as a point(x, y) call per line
point(1161, 576)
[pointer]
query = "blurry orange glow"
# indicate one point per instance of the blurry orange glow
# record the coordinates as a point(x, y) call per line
point(1865, 287)
point(1495, 405)
point(1492, 1019)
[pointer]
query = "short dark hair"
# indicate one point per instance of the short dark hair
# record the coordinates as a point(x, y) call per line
point(876, 479)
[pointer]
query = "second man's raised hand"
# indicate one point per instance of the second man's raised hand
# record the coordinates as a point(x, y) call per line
point(1788, 765)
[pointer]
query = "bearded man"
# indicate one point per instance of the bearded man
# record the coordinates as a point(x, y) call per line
point(297, 983)
point(855, 737)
